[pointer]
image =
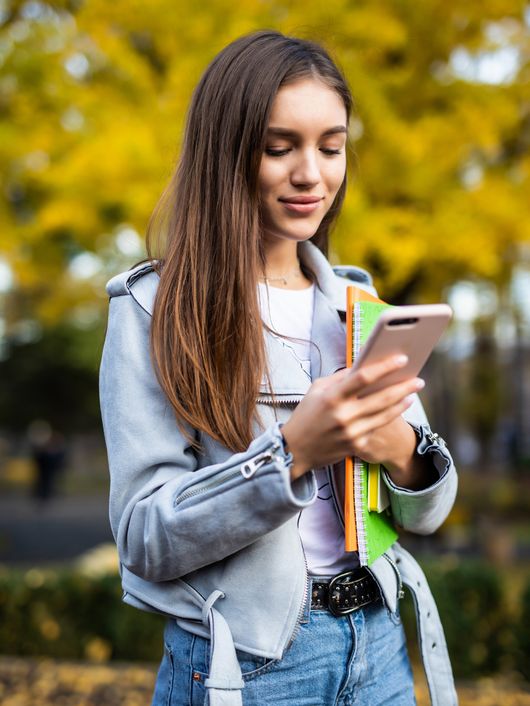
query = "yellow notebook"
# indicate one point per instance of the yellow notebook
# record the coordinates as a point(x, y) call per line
point(378, 499)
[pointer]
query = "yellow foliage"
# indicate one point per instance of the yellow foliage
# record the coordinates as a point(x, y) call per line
point(98, 650)
point(50, 629)
point(18, 471)
point(92, 108)
point(25, 682)
point(34, 578)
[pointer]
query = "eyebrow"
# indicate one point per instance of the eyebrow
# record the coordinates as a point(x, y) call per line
point(285, 132)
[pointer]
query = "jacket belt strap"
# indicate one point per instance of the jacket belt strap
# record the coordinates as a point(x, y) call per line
point(430, 631)
point(224, 682)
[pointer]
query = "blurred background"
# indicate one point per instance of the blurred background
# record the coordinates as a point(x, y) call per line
point(93, 98)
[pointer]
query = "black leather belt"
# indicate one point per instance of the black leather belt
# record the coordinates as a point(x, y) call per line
point(345, 592)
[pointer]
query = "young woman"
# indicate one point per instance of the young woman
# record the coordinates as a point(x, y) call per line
point(228, 411)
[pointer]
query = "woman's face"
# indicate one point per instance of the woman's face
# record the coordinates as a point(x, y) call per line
point(304, 162)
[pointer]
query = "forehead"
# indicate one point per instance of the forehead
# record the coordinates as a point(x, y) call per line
point(308, 104)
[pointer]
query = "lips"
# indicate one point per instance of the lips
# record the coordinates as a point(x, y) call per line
point(302, 199)
point(301, 205)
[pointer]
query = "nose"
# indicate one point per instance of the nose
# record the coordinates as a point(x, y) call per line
point(306, 170)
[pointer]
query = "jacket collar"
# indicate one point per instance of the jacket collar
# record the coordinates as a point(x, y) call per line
point(328, 352)
point(331, 285)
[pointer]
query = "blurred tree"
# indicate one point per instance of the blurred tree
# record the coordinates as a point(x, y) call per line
point(92, 102)
point(481, 398)
point(52, 376)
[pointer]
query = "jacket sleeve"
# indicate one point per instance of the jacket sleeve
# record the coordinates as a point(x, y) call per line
point(169, 515)
point(423, 511)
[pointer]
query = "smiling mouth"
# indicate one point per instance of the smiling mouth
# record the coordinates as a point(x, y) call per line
point(302, 199)
point(301, 207)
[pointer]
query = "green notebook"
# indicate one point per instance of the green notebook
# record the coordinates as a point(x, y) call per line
point(375, 530)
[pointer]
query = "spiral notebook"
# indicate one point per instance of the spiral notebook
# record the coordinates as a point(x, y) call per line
point(369, 528)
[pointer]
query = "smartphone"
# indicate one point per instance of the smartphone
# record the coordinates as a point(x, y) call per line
point(412, 330)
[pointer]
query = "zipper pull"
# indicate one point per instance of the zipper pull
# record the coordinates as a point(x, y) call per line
point(435, 438)
point(249, 468)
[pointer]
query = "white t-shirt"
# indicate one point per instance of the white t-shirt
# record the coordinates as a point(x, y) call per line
point(289, 312)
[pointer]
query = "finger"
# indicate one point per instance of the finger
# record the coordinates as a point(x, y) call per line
point(362, 427)
point(369, 374)
point(379, 401)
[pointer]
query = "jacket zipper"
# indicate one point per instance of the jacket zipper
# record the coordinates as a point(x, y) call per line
point(306, 589)
point(289, 402)
point(283, 401)
point(301, 610)
point(247, 470)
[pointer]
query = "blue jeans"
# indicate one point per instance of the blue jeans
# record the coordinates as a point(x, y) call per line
point(360, 659)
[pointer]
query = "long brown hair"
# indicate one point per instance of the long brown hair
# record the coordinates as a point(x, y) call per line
point(206, 338)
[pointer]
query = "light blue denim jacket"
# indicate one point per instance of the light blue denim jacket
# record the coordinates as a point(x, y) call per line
point(221, 528)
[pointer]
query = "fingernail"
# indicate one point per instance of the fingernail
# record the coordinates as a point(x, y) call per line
point(401, 359)
point(409, 399)
point(420, 383)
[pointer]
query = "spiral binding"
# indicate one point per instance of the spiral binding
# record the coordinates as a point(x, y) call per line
point(359, 492)
point(359, 469)
point(357, 321)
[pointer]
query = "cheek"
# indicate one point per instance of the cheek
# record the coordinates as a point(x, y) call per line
point(264, 178)
point(335, 176)
point(270, 177)
point(266, 192)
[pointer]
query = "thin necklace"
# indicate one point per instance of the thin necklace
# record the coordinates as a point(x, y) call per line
point(284, 278)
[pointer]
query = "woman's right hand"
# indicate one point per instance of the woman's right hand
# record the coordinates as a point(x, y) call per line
point(335, 420)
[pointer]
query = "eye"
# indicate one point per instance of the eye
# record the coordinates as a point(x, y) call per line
point(276, 153)
point(329, 151)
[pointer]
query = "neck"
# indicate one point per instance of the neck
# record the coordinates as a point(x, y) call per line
point(282, 266)
point(280, 257)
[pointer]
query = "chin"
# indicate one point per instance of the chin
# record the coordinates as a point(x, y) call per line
point(301, 234)
point(298, 230)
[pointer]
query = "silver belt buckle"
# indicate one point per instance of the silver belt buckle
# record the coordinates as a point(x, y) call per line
point(333, 607)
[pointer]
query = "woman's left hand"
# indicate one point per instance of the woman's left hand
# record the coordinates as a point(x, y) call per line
point(395, 443)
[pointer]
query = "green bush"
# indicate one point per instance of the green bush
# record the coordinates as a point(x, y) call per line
point(68, 614)
point(65, 614)
point(522, 634)
point(473, 608)
point(471, 597)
